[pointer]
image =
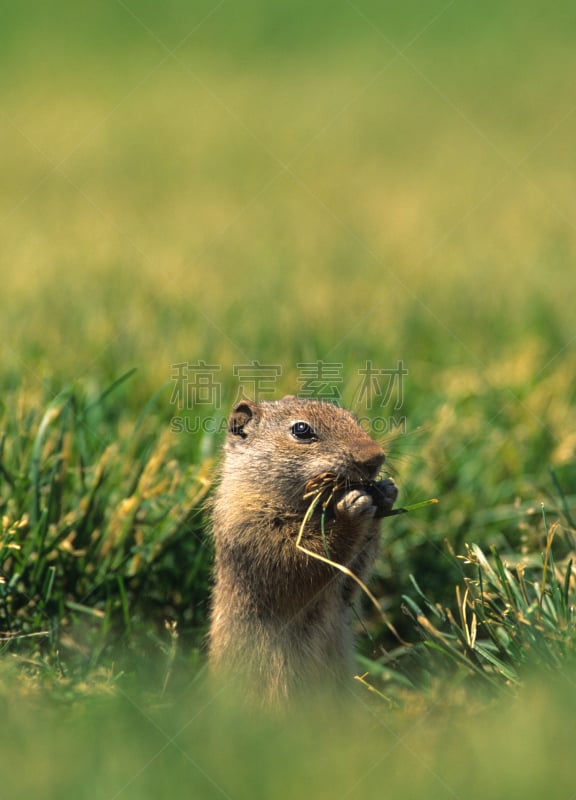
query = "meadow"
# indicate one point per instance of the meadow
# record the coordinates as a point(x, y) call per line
point(282, 198)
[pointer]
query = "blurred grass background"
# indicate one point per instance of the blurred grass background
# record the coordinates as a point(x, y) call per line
point(282, 182)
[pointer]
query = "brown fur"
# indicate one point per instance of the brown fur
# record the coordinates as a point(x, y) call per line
point(280, 618)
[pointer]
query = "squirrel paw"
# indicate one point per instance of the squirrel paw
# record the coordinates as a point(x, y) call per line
point(384, 494)
point(355, 504)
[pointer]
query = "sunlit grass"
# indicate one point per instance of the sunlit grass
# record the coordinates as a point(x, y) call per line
point(131, 746)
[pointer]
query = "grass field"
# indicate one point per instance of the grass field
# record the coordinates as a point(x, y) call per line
point(273, 190)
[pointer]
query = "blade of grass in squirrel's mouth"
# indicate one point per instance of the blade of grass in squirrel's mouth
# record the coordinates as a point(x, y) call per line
point(412, 507)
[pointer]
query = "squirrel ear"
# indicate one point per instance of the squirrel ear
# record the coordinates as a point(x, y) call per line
point(241, 415)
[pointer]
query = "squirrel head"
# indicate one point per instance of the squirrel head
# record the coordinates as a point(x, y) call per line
point(281, 445)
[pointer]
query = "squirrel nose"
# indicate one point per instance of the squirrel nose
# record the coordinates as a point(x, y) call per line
point(369, 457)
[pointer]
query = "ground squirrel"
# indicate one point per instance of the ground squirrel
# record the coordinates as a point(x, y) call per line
point(280, 618)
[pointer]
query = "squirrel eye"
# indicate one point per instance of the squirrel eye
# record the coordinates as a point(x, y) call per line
point(303, 431)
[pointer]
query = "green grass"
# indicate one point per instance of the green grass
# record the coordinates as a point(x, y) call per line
point(345, 183)
point(188, 744)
